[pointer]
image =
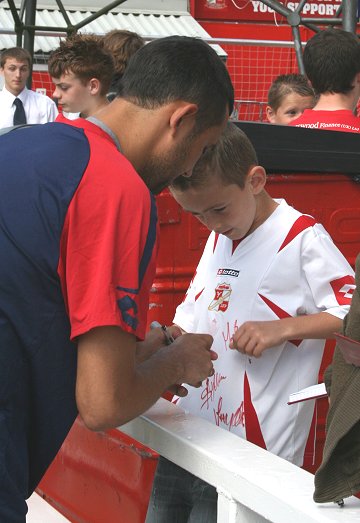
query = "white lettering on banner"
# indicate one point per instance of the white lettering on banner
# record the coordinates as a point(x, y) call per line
point(309, 9)
point(323, 125)
point(309, 125)
point(259, 6)
point(255, 6)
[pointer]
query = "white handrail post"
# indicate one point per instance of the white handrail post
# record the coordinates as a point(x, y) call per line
point(230, 511)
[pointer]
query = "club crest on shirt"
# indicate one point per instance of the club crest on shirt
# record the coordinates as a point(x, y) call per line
point(221, 299)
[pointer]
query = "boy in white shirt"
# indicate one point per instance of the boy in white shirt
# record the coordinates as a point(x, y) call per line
point(19, 105)
point(270, 287)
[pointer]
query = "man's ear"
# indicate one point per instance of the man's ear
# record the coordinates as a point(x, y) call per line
point(357, 77)
point(257, 178)
point(270, 114)
point(94, 86)
point(183, 116)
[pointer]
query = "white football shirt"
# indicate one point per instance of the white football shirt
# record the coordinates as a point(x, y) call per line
point(289, 266)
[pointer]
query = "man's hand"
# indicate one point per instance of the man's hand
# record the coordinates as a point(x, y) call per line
point(154, 341)
point(193, 354)
point(112, 387)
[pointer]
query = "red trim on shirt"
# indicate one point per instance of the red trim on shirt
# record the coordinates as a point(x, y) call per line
point(302, 223)
point(235, 243)
point(199, 294)
point(252, 425)
point(280, 313)
point(215, 241)
point(343, 289)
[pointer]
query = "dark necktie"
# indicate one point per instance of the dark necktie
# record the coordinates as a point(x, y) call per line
point(19, 115)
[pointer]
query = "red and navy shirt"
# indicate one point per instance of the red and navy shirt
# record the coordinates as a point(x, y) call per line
point(78, 242)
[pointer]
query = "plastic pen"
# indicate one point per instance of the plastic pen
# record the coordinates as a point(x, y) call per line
point(156, 325)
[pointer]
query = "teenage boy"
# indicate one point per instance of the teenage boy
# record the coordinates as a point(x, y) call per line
point(332, 64)
point(18, 104)
point(77, 258)
point(270, 288)
point(81, 70)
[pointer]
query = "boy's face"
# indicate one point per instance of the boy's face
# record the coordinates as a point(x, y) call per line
point(292, 106)
point(15, 75)
point(225, 209)
point(72, 95)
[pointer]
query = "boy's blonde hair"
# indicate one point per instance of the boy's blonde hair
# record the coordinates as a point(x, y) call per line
point(230, 159)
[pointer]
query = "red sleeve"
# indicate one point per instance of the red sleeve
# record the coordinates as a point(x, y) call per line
point(108, 245)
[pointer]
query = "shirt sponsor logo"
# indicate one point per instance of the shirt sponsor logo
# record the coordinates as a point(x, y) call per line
point(228, 272)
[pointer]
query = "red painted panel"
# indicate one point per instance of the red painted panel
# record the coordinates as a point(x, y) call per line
point(100, 477)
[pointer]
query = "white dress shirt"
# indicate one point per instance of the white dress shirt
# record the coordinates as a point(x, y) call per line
point(38, 108)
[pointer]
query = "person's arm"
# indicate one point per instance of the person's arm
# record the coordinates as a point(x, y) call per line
point(112, 389)
point(253, 337)
point(330, 280)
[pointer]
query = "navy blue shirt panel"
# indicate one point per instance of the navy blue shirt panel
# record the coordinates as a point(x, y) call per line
point(40, 170)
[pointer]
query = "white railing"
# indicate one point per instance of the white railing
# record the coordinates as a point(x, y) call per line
point(254, 486)
point(40, 511)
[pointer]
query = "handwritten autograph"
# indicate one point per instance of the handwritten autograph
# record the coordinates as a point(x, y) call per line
point(227, 335)
point(229, 420)
point(211, 386)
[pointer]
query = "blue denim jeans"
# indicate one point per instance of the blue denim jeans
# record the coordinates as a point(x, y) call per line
point(180, 497)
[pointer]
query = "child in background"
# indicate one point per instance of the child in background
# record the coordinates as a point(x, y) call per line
point(270, 287)
point(289, 95)
point(121, 45)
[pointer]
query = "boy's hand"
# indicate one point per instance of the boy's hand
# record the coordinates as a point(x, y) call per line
point(253, 337)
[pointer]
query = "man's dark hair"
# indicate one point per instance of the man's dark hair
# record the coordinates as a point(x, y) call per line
point(230, 159)
point(20, 54)
point(179, 68)
point(332, 60)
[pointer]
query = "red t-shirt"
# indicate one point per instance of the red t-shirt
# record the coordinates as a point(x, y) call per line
point(341, 120)
point(109, 242)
